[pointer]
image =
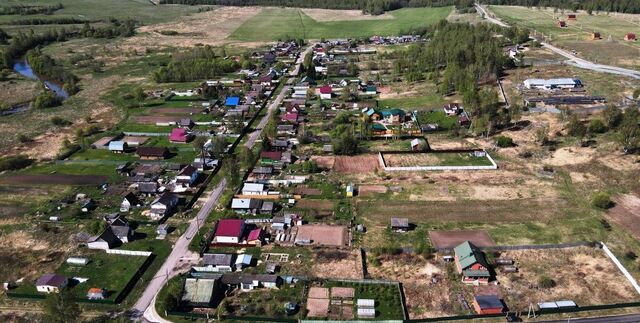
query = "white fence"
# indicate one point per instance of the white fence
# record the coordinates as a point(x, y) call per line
point(129, 252)
point(493, 166)
point(618, 264)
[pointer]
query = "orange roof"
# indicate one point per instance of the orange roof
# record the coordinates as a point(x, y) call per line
point(95, 290)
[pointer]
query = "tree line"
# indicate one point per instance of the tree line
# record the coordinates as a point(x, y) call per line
point(46, 66)
point(24, 10)
point(195, 65)
point(21, 42)
point(46, 21)
point(375, 7)
point(625, 6)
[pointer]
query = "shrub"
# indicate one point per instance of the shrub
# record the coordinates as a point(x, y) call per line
point(24, 138)
point(546, 282)
point(504, 141)
point(14, 162)
point(47, 100)
point(597, 126)
point(602, 200)
point(60, 122)
point(630, 255)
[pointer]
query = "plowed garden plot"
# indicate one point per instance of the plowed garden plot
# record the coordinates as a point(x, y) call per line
point(450, 239)
point(55, 179)
point(323, 235)
point(366, 190)
point(356, 164)
point(155, 119)
point(478, 211)
point(173, 111)
point(337, 264)
point(626, 213)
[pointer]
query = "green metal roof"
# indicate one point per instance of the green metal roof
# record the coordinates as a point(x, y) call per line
point(468, 254)
point(394, 111)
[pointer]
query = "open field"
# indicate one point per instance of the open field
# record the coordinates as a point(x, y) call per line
point(337, 264)
point(434, 159)
point(279, 23)
point(584, 275)
point(55, 179)
point(577, 33)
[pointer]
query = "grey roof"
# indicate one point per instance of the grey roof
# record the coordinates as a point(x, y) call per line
point(489, 301)
point(242, 204)
point(188, 171)
point(400, 222)
point(217, 259)
point(149, 187)
point(121, 231)
point(51, 280)
point(107, 236)
point(236, 279)
point(166, 199)
point(199, 290)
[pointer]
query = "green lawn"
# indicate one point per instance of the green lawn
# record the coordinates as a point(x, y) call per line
point(420, 102)
point(438, 117)
point(279, 23)
point(387, 297)
point(75, 169)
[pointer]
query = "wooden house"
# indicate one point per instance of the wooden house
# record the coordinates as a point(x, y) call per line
point(471, 264)
point(630, 37)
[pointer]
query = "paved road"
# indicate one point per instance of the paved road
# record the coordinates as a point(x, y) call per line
point(572, 59)
point(272, 107)
point(629, 318)
point(180, 249)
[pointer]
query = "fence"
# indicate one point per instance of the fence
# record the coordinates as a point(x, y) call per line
point(129, 252)
point(618, 264)
point(146, 134)
point(493, 166)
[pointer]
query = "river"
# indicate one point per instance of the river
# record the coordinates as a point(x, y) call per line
point(23, 68)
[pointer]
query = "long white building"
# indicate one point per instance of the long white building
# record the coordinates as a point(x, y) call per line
point(549, 84)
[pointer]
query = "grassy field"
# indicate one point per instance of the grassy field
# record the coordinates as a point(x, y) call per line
point(278, 23)
point(576, 35)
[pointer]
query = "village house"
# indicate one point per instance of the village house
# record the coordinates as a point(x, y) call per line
point(255, 237)
point(187, 176)
point(105, 240)
point(246, 206)
point(254, 189)
point(451, 109)
point(630, 37)
point(148, 188)
point(118, 147)
point(562, 24)
point(549, 84)
point(595, 35)
point(471, 264)
point(229, 231)
point(121, 229)
point(129, 200)
point(268, 158)
point(242, 261)
point(186, 123)
point(179, 135)
point(393, 116)
point(218, 262)
point(325, 92)
point(163, 205)
point(152, 153)
point(488, 304)
point(51, 283)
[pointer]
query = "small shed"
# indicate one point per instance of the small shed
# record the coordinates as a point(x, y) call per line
point(118, 147)
point(243, 261)
point(96, 294)
point(595, 35)
point(630, 37)
point(78, 261)
point(488, 304)
point(350, 191)
point(162, 229)
point(415, 144)
point(562, 24)
point(571, 16)
point(400, 224)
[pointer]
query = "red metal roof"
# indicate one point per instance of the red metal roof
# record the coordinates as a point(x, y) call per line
point(178, 134)
point(325, 90)
point(273, 155)
point(230, 228)
point(254, 234)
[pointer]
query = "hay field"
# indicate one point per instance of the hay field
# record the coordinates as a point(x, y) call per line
point(279, 23)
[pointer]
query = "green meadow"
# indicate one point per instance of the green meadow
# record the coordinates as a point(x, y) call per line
point(278, 23)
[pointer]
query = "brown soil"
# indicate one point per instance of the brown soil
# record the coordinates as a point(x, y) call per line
point(342, 15)
point(356, 164)
point(626, 213)
point(366, 190)
point(155, 119)
point(339, 264)
point(324, 235)
point(207, 28)
point(450, 239)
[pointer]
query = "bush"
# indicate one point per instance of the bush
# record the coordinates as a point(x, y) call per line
point(630, 255)
point(60, 122)
point(46, 100)
point(14, 162)
point(597, 126)
point(546, 282)
point(602, 200)
point(504, 141)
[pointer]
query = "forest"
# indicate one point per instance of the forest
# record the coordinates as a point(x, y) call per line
point(22, 9)
point(195, 65)
point(374, 7)
point(46, 66)
point(626, 6)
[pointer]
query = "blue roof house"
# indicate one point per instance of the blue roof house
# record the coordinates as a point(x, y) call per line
point(232, 101)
